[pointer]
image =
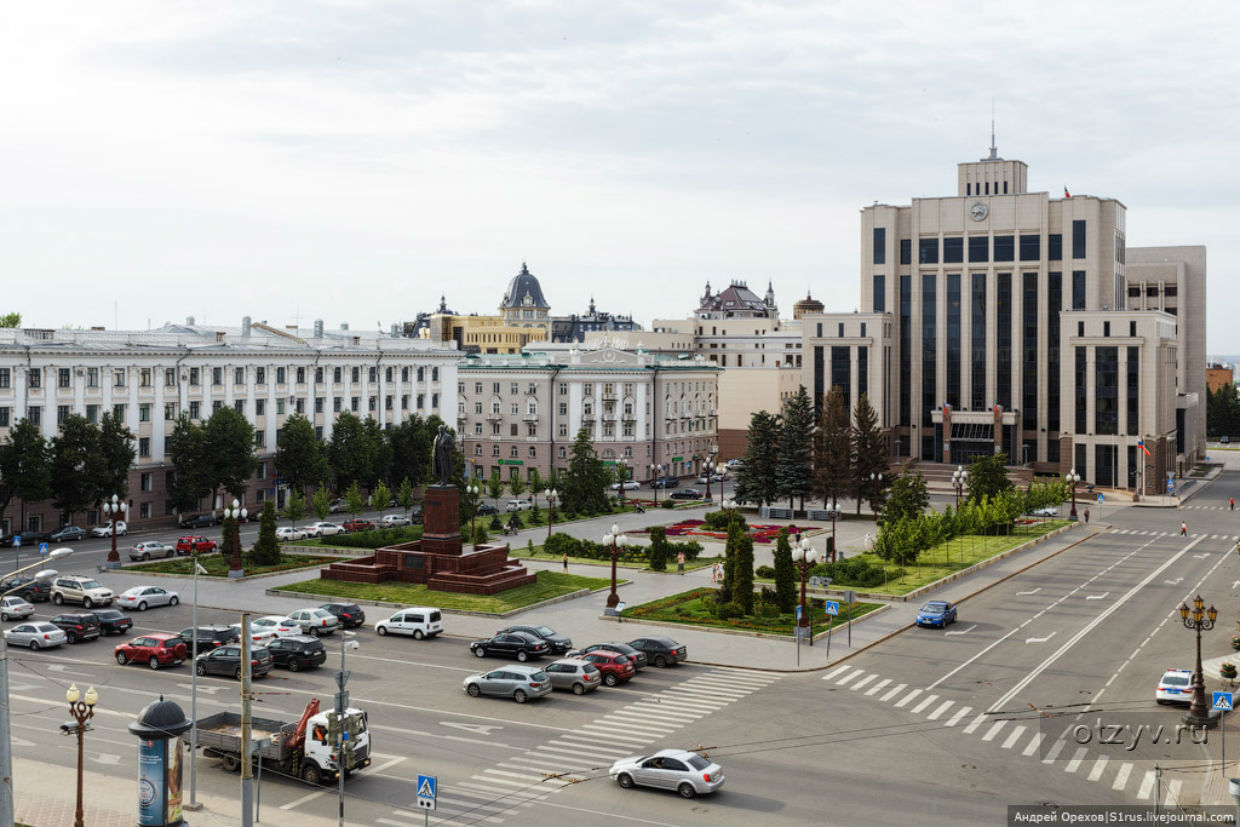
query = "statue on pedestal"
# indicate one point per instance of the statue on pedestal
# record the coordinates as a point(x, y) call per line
point(442, 457)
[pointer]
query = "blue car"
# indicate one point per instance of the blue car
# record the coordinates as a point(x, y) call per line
point(937, 613)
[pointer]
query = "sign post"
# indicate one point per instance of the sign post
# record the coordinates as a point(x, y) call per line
point(832, 609)
point(851, 597)
point(17, 547)
point(797, 629)
point(428, 791)
point(1222, 702)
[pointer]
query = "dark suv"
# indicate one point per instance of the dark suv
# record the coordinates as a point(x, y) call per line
point(350, 615)
point(79, 626)
point(209, 637)
point(113, 621)
point(27, 588)
point(298, 652)
point(199, 521)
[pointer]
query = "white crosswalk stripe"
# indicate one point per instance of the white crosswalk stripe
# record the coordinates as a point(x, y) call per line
point(1013, 737)
point(907, 698)
point(1173, 791)
point(878, 686)
point(943, 707)
point(960, 713)
point(1032, 746)
point(892, 693)
point(838, 671)
point(1121, 777)
point(844, 681)
point(994, 730)
point(1056, 748)
point(1077, 758)
point(925, 703)
point(974, 724)
point(1099, 767)
point(864, 681)
point(1147, 785)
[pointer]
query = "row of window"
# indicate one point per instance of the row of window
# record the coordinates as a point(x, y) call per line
point(981, 248)
point(64, 376)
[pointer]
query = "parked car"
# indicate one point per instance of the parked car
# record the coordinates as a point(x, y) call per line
point(41, 635)
point(637, 656)
point(519, 505)
point(78, 626)
point(151, 548)
point(735, 463)
point(416, 621)
point(687, 494)
point(315, 621)
point(577, 675)
point(279, 625)
point(209, 637)
point(517, 682)
point(1046, 511)
point(937, 613)
point(113, 622)
point(73, 588)
point(338, 505)
point(15, 608)
point(155, 650)
point(358, 525)
point(665, 482)
point(486, 510)
point(27, 588)
point(669, 769)
point(350, 615)
point(627, 485)
point(67, 534)
point(197, 521)
point(393, 520)
point(122, 528)
point(557, 643)
point(415, 517)
point(1175, 687)
point(226, 660)
point(615, 667)
point(196, 544)
point(259, 637)
point(144, 597)
point(519, 645)
point(28, 538)
point(297, 653)
point(327, 529)
point(288, 534)
point(713, 478)
point(661, 651)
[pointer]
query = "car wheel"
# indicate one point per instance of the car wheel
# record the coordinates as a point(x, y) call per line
point(34, 645)
point(519, 696)
point(87, 603)
point(294, 665)
point(175, 600)
point(72, 638)
point(579, 689)
point(522, 655)
point(142, 606)
point(1161, 702)
point(153, 662)
point(382, 630)
point(473, 690)
point(610, 679)
point(481, 652)
point(58, 600)
point(146, 556)
point(201, 669)
point(121, 659)
point(237, 673)
point(660, 661)
point(417, 634)
point(625, 780)
point(311, 775)
point(3, 616)
point(229, 762)
point(686, 790)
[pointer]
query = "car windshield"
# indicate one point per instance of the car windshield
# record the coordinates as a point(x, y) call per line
point(934, 608)
point(91, 584)
point(538, 676)
point(1176, 680)
point(544, 631)
point(698, 762)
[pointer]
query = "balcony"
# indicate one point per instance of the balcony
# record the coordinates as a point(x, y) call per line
point(530, 417)
point(494, 416)
point(587, 416)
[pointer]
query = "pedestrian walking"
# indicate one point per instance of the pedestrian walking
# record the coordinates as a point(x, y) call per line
point(716, 571)
point(1231, 501)
point(1087, 515)
point(1183, 528)
point(565, 561)
point(680, 562)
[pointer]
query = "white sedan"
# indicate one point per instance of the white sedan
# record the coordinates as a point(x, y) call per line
point(287, 534)
point(257, 635)
point(713, 478)
point(627, 485)
point(279, 625)
point(327, 529)
point(314, 621)
point(14, 607)
point(106, 530)
point(141, 597)
point(393, 520)
point(35, 635)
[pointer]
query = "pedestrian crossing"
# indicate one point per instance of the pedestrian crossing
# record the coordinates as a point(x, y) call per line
point(1205, 508)
point(1017, 736)
point(521, 781)
point(1136, 532)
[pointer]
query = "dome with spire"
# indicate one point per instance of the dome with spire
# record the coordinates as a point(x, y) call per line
point(809, 304)
point(523, 292)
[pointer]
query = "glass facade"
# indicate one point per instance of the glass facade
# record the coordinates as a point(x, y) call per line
point(954, 352)
point(880, 245)
point(1030, 247)
point(1054, 247)
point(979, 248)
point(1003, 341)
point(1078, 289)
point(1134, 391)
point(841, 372)
point(906, 251)
point(1029, 349)
point(1105, 457)
point(1005, 248)
point(863, 371)
point(978, 349)
point(1054, 303)
point(906, 345)
point(928, 251)
point(1081, 393)
point(1106, 390)
point(929, 347)
point(880, 294)
point(953, 250)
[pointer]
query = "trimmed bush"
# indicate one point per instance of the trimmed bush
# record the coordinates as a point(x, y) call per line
point(717, 520)
point(377, 538)
point(729, 610)
point(658, 548)
point(765, 573)
point(668, 504)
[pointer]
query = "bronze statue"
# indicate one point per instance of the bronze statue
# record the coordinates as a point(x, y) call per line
point(443, 457)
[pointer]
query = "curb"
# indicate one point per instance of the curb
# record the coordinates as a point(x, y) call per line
point(219, 579)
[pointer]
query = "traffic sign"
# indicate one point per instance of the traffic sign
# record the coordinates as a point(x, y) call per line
point(798, 615)
point(428, 786)
point(1222, 700)
point(17, 541)
point(43, 548)
point(833, 607)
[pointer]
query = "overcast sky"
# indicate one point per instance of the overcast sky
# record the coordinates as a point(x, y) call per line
point(352, 160)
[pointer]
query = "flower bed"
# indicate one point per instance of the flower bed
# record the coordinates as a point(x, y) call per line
point(697, 528)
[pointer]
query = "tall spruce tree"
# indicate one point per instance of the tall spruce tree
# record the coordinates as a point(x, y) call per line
point(833, 450)
point(869, 456)
point(794, 471)
point(742, 573)
point(756, 482)
point(584, 488)
point(785, 573)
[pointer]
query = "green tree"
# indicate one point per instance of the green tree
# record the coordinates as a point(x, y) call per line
point(11, 320)
point(658, 548)
point(869, 455)
point(356, 502)
point(25, 464)
point(351, 452)
point(380, 466)
point(585, 486)
point(321, 505)
point(116, 444)
point(294, 506)
point(230, 447)
point(404, 496)
point(516, 485)
point(833, 450)
point(988, 477)
point(266, 551)
point(495, 485)
point(77, 466)
point(908, 498)
point(188, 453)
point(756, 482)
point(736, 533)
point(411, 442)
point(785, 573)
point(381, 498)
point(794, 467)
point(537, 484)
point(742, 573)
point(300, 458)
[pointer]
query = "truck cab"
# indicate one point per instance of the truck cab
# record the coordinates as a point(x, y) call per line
point(320, 744)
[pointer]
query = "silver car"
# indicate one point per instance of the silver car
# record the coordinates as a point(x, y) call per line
point(35, 635)
point(315, 621)
point(688, 773)
point(517, 682)
point(13, 607)
point(574, 674)
point(151, 548)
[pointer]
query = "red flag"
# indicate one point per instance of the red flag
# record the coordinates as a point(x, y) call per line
point(1066, 194)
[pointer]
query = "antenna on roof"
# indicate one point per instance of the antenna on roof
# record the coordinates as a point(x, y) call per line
point(994, 151)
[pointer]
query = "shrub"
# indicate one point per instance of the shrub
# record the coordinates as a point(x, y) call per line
point(729, 610)
point(668, 504)
point(559, 544)
point(266, 551)
point(691, 548)
point(766, 573)
point(496, 525)
point(658, 548)
point(378, 537)
point(717, 520)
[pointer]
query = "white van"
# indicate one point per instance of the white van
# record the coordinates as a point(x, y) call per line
point(416, 621)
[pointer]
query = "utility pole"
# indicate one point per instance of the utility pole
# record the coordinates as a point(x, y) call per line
point(6, 740)
point(342, 704)
point(193, 804)
point(247, 774)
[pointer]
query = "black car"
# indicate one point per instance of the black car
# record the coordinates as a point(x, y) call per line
point(559, 644)
point(350, 615)
point(199, 521)
point(66, 534)
point(79, 626)
point(297, 653)
point(27, 588)
point(486, 509)
point(686, 494)
point(226, 660)
point(112, 621)
point(661, 651)
point(28, 538)
point(519, 645)
point(209, 637)
point(636, 655)
point(665, 482)
point(415, 517)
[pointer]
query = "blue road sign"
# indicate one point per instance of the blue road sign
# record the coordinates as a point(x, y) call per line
point(17, 541)
point(428, 786)
point(798, 613)
point(1222, 700)
point(42, 548)
point(833, 607)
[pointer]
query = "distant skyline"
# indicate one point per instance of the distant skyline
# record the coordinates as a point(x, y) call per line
point(353, 160)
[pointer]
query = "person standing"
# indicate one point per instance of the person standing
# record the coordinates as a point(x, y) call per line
point(680, 562)
point(1087, 515)
point(1183, 528)
point(564, 560)
point(1231, 501)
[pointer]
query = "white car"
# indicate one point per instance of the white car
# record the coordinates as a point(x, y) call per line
point(416, 621)
point(1176, 687)
point(257, 635)
point(35, 635)
point(141, 597)
point(669, 769)
point(279, 625)
point(106, 530)
point(392, 520)
point(1047, 511)
point(327, 529)
point(627, 485)
point(314, 621)
point(518, 505)
point(713, 478)
point(287, 534)
point(310, 531)
point(13, 607)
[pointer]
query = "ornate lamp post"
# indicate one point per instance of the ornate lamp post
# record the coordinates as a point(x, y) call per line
point(615, 539)
point(709, 469)
point(804, 557)
point(82, 709)
point(622, 471)
point(876, 479)
point(115, 510)
point(1072, 478)
point(1198, 618)
point(656, 471)
point(960, 478)
point(471, 493)
point(236, 514)
point(551, 495)
point(721, 469)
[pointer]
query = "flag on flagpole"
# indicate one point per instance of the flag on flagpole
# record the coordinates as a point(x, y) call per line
point(1141, 443)
point(1066, 194)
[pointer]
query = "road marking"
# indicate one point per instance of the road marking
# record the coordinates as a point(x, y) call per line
point(878, 686)
point(610, 732)
point(934, 716)
point(1040, 639)
point(1013, 737)
point(994, 730)
point(1026, 594)
point(844, 680)
point(894, 692)
point(422, 734)
point(1099, 766)
point(1096, 596)
point(1204, 556)
point(929, 700)
point(974, 724)
point(1114, 607)
point(841, 670)
point(970, 660)
point(1056, 748)
point(862, 682)
point(1147, 784)
point(479, 729)
point(900, 704)
point(1032, 746)
point(297, 802)
point(1173, 791)
point(1174, 582)
point(660, 713)
point(960, 713)
point(1077, 758)
point(106, 758)
point(210, 690)
point(962, 631)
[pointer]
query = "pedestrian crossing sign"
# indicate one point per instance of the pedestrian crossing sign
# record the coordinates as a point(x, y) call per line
point(427, 787)
point(1222, 700)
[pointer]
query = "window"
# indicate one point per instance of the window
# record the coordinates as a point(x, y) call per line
point(531, 429)
point(238, 376)
point(880, 245)
point(118, 413)
point(355, 404)
point(1005, 248)
point(144, 511)
point(6, 380)
point(421, 401)
point(533, 452)
point(260, 376)
point(1078, 289)
point(337, 375)
point(144, 412)
point(514, 388)
point(478, 428)
point(387, 374)
point(357, 375)
point(62, 413)
point(216, 405)
point(260, 438)
point(494, 450)
point(495, 407)
point(477, 387)
point(478, 408)
point(170, 411)
point(318, 404)
point(147, 481)
point(421, 374)
point(562, 453)
point(92, 414)
point(563, 430)
point(515, 409)
point(63, 379)
point(1106, 328)
point(193, 377)
point(953, 250)
point(301, 376)
point(404, 377)
point(195, 409)
point(260, 407)
point(1054, 247)
point(280, 376)
point(513, 451)
point(118, 378)
point(1132, 329)
point(144, 446)
point(906, 251)
point(928, 251)
point(512, 429)
point(387, 402)
point(588, 389)
point(372, 375)
point(217, 376)
point(35, 415)
point(1078, 239)
point(477, 450)
point(1030, 247)
point(4, 417)
point(979, 248)
point(563, 409)
point(92, 377)
point(434, 374)
point(1106, 390)
point(318, 375)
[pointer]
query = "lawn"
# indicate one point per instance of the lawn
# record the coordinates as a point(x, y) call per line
point(689, 608)
point(217, 564)
point(524, 553)
point(761, 533)
point(550, 584)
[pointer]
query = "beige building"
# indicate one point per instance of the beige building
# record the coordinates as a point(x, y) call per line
point(524, 317)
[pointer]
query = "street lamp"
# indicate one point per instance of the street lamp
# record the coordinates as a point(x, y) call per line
point(876, 479)
point(960, 479)
point(615, 539)
point(710, 469)
point(1198, 618)
point(550, 494)
point(657, 472)
point(342, 703)
point(82, 709)
point(622, 475)
point(804, 557)
point(1072, 478)
point(114, 509)
point(472, 492)
point(721, 469)
point(236, 514)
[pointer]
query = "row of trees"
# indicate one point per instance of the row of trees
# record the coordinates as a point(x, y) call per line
point(360, 451)
point(1223, 412)
point(797, 454)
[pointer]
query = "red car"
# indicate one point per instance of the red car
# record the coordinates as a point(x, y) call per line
point(195, 545)
point(358, 525)
point(155, 650)
point(616, 668)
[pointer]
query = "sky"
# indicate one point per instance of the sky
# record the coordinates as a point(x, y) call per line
point(351, 161)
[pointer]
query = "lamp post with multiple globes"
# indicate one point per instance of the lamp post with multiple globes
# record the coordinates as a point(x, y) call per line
point(82, 708)
point(1072, 478)
point(236, 513)
point(551, 494)
point(471, 493)
point(960, 478)
point(1198, 618)
point(804, 557)
point(115, 510)
point(615, 539)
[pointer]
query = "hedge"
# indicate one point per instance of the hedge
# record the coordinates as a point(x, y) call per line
point(377, 537)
